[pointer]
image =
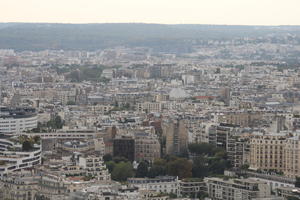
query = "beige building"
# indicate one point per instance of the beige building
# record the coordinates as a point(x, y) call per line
point(94, 166)
point(147, 147)
point(276, 152)
point(267, 152)
point(176, 136)
point(243, 119)
point(19, 187)
point(292, 156)
point(149, 107)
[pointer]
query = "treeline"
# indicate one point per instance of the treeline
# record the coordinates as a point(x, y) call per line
point(54, 123)
point(79, 73)
point(205, 160)
point(166, 38)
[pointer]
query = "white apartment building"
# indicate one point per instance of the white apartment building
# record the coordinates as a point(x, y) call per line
point(17, 122)
point(161, 184)
point(13, 158)
point(94, 166)
point(237, 189)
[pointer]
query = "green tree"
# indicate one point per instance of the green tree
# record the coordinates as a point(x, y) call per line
point(55, 123)
point(122, 171)
point(71, 103)
point(180, 167)
point(217, 166)
point(158, 168)
point(142, 170)
point(200, 168)
point(120, 159)
point(201, 148)
point(36, 139)
point(107, 157)
point(110, 166)
point(26, 145)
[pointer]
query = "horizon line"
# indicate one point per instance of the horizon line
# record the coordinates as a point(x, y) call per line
point(147, 23)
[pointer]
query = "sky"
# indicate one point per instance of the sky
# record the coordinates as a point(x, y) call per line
point(231, 12)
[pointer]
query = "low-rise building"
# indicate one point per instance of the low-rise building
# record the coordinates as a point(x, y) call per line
point(13, 156)
point(193, 188)
point(95, 166)
point(237, 189)
point(17, 120)
point(162, 184)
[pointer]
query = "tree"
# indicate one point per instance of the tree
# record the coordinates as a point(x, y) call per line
point(118, 159)
point(156, 170)
point(26, 145)
point(180, 167)
point(55, 123)
point(37, 139)
point(142, 170)
point(122, 171)
point(110, 165)
point(297, 183)
point(71, 103)
point(107, 157)
point(217, 166)
point(202, 148)
point(200, 168)
point(245, 167)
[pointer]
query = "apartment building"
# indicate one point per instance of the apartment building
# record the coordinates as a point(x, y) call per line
point(13, 157)
point(192, 188)
point(243, 119)
point(267, 152)
point(124, 147)
point(19, 187)
point(176, 136)
point(238, 151)
point(147, 147)
point(292, 157)
point(288, 192)
point(94, 166)
point(162, 184)
point(236, 189)
point(149, 107)
point(17, 120)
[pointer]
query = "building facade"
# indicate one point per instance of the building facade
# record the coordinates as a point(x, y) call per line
point(147, 147)
point(124, 147)
point(267, 152)
point(13, 157)
point(236, 189)
point(17, 120)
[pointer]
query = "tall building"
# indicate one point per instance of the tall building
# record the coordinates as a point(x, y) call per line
point(220, 134)
point(267, 152)
point(176, 136)
point(147, 147)
point(238, 151)
point(292, 157)
point(225, 95)
point(124, 147)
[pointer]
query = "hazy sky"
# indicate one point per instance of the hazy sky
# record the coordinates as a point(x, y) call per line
point(259, 12)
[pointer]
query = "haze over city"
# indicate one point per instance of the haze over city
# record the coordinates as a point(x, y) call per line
point(149, 100)
point(231, 12)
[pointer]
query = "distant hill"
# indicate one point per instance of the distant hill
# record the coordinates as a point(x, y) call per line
point(176, 38)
